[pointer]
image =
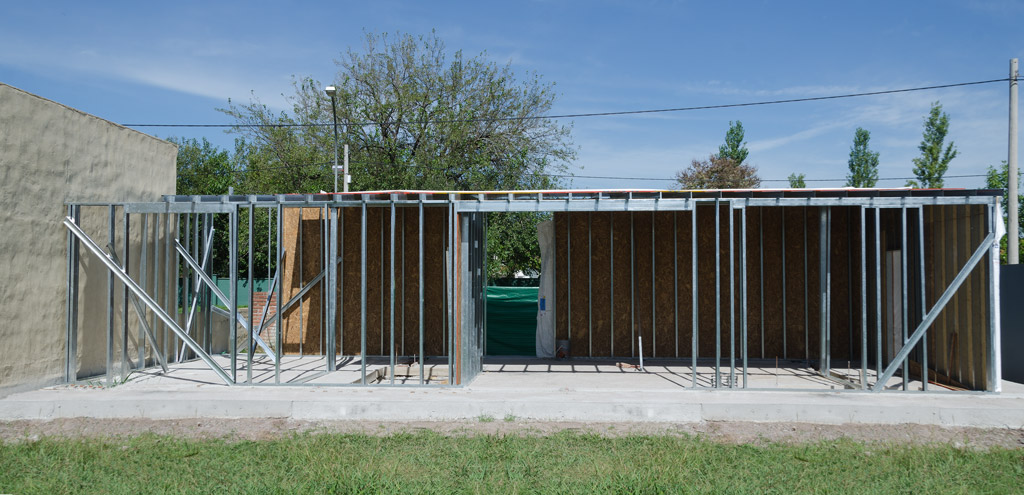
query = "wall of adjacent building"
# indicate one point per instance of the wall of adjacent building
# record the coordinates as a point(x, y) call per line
point(51, 154)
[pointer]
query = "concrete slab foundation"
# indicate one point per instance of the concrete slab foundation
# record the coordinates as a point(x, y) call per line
point(564, 392)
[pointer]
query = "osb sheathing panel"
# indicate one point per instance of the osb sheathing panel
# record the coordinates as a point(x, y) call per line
point(600, 270)
point(966, 315)
point(378, 281)
point(579, 329)
point(623, 344)
point(302, 322)
point(665, 288)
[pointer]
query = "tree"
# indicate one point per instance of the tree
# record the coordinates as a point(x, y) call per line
point(934, 160)
point(414, 118)
point(718, 173)
point(202, 168)
point(863, 162)
point(796, 181)
point(734, 148)
point(998, 178)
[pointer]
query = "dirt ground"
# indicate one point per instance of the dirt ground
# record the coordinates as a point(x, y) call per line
point(726, 432)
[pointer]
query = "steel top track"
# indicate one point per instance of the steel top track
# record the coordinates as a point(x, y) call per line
point(574, 200)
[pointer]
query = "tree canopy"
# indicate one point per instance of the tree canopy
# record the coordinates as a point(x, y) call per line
point(863, 162)
point(717, 172)
point(414, 117)
point(934, 160)
point(796, 181)
point(734, 148)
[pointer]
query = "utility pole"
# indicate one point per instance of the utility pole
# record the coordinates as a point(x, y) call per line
point(1013, 243)
point(331, 91)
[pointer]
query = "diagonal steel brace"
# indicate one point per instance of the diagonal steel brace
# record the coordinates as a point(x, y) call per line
point(932, 314)
point(216, 290)
point(141, 312)
point(148, 301)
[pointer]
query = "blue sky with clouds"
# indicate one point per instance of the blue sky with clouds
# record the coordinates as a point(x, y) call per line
point(175, 62)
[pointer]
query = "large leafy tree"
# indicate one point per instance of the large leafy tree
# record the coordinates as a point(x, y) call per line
point(863, 162)
point(414, 117)
point(998, 178)
point(797, 181)
point(734, 148)
point(717, 172)
point(934, 160)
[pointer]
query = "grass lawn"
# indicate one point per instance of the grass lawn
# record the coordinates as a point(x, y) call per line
point(561, 463)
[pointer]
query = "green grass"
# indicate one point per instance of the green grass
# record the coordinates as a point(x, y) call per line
point(562, 463)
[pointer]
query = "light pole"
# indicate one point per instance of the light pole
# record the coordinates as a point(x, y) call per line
point(331, 91)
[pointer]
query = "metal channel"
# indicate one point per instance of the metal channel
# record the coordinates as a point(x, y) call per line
point(924, 338)
point(362, 297)
point(823, 288)
point(419, 283)
point(252, 294)
point(903, 288)
point(233, 267)
point(693, 283)
point(632, 289)
point(732, 299)
point(110, 301)
point(590, 286)
point(718, 295)
point(280, 294)
point(330, 353)
point(743, 291)
point(391, 289)
point(143, 279)
point(878, 290)
point(126, 239)
point(863, 301)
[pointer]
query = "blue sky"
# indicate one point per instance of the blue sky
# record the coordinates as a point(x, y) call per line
point(175, 62)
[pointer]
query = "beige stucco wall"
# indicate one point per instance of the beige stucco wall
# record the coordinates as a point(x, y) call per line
point(51, 154)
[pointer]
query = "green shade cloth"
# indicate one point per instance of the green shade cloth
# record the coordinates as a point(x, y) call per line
point(512, 321)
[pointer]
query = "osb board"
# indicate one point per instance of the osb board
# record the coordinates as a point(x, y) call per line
point(622, 341)
point(578, 304)
point(302, 321)
point(665, 277)
point(642, 282)
point(684, 257)
point(841, 267)
point(349, 280)
point(600, 254)
point(378, 304)
point(773, 277)
point(754, 261)
point(624, 287)
point(797, 309)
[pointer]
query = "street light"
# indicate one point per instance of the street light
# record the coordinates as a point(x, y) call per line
point(331, 91)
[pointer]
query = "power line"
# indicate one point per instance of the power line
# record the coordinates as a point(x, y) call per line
point(609, 114)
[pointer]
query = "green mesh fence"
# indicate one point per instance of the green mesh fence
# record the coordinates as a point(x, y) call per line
point(511, 321)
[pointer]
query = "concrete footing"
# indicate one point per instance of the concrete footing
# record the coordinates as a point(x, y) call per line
point(382, 403)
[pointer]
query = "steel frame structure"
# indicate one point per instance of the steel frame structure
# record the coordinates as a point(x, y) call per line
point(177, 236)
